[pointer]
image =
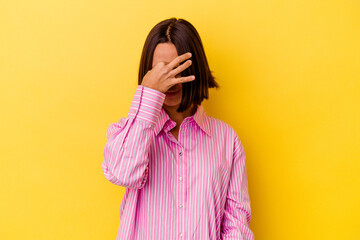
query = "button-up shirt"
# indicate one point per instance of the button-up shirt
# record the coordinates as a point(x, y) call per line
point(194, 187)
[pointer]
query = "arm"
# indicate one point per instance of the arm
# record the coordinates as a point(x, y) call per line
point(126, 158)
point(237, 212)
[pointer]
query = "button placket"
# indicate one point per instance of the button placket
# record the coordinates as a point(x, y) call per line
point(180, 178)
point(180, 154)
point(181, 190)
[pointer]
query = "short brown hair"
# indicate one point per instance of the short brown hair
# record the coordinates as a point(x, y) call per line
point(186, 39)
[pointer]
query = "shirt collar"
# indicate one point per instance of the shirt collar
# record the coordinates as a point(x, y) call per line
point(200, 117)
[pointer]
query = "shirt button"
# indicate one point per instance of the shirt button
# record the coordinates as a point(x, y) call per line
point(180, 153)
point(180, 178)
point(180, 234)
point(180, 206)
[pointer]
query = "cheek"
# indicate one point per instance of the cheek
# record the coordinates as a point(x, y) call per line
point(180, 95)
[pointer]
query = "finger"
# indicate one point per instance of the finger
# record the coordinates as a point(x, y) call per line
point(180, 68)
point(176, 61)
point(183, 79)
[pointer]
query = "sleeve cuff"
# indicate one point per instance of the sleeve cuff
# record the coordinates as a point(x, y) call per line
point(146, 104)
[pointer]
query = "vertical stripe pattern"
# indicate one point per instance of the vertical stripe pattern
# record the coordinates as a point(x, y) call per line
point(193, 187)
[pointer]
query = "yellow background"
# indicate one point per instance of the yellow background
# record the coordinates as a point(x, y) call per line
point(290, 87)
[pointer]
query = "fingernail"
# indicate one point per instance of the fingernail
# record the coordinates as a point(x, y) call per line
point(190, 54)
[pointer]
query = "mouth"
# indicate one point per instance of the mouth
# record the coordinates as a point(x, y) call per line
point(171, 93)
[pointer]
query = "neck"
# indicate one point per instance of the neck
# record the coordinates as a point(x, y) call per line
point(178, 117)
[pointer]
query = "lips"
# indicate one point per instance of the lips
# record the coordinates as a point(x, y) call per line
point(172, 92)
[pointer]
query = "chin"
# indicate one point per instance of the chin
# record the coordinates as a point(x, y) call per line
point(172, 103)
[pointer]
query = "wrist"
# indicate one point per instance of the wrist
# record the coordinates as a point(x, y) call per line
point(152, 87)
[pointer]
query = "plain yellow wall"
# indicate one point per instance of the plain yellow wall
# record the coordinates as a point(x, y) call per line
point(290, 87)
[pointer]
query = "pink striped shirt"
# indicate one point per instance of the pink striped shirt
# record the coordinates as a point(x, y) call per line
point(191, 188)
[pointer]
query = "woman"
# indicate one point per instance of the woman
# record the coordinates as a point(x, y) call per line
point(184, 171)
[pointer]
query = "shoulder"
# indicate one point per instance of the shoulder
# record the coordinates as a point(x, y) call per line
point(225, 136)
point(220, 128)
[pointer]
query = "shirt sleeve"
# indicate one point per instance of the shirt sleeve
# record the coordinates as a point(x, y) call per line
point(237, 212)
point(126, 151)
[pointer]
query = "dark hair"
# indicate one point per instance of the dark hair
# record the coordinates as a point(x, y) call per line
point(186, 39)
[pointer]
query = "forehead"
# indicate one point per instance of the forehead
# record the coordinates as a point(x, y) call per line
point(164, 52)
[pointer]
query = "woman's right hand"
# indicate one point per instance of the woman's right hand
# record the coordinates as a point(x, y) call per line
point(162, 77)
